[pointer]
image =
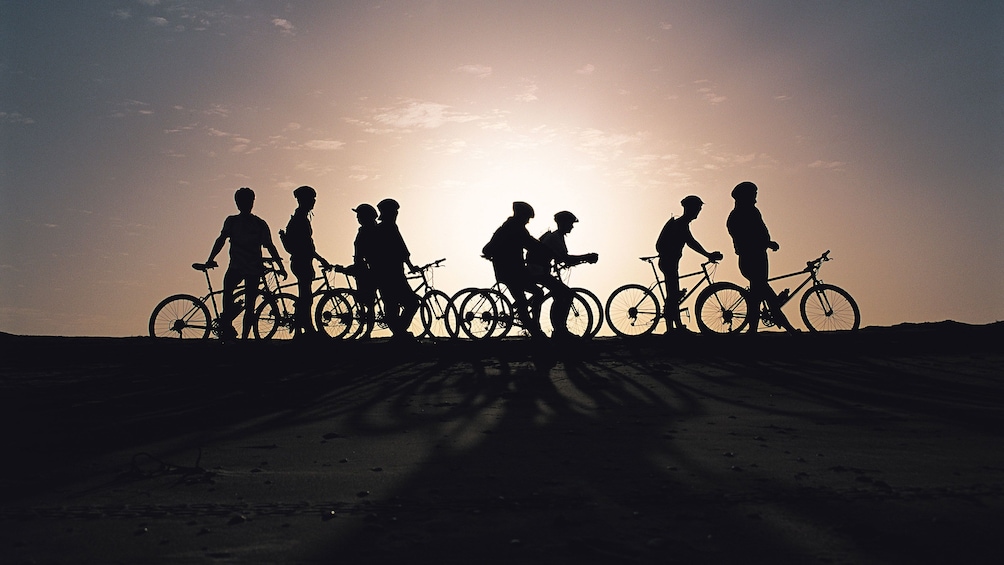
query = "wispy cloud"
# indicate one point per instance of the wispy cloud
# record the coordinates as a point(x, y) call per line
point(586, 70)
point(416, 114)
point(285, 26)
point(528, 91)
point(158, 21)
point(479, 71)
point(324, 144)
point(15, 118)
point(832, 165)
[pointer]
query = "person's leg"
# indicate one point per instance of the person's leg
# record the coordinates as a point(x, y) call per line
point(671, 274)
point(230, 281)
point(304, 279)
point(250, 300)
point(562, 303)
point(755, 271)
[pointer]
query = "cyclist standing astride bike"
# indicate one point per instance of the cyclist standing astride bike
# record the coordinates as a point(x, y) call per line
point(387, 260)
point(363, 248)
point(751, 240)
point(505, 251)
point(539, 265)
point(298, 239)
point(247, 234)
point(673, 237)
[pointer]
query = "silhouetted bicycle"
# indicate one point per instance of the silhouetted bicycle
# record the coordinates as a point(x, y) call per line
point(490, 312)
point(345, 313)
point(724, 307)
point(186, 316)
point(634, 309)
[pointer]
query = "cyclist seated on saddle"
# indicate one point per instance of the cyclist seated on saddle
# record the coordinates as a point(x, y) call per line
point(247, 234)
point(505, 251)
point(673, 237)
point(540, 266)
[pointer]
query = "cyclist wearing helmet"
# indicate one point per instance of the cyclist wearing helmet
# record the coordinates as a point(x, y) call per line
point(364, 245)
point(387, 259)
point(505, 251)
point(540, 266)
point(298, 239)
point(247, 234)
point(752, 240)
point(673, 237)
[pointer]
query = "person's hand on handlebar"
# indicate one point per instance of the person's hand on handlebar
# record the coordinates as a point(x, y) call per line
point(773, 246)
point(715, 256)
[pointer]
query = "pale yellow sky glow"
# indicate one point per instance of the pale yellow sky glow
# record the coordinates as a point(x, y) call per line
point(126, 127)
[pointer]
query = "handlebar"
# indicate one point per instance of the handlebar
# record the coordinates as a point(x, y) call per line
point(815, 263)
point(436, 263)
point(654, 257)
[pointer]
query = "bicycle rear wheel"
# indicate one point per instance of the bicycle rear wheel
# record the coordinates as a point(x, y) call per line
point(722, 308)
point(595, 308)
point(333, 315)
point(632, 310)
point(182, 316)
point(439, 317)
point(826, 307)
point(478, 314)
point(274, 318)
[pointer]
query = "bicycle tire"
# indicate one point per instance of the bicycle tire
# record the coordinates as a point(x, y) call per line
point(274, 317)
point(438, 315)
point(633, 310)
point(333, 314)
point(832, 309)
point(722, 308)
point(595, 307)
point(478, 313)
point(182, 316)
point(579, 321)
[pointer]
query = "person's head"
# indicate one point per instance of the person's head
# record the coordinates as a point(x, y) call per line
point(565, 221)
point(365, 214)
point(244, 198)
point(692, 206)
point(522, 211)
point(388, 209)
point(744, 193)
point(305, 197)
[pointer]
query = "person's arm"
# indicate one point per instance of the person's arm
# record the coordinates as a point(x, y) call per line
point(273, 252)
point(693, 244)
point(218, 245)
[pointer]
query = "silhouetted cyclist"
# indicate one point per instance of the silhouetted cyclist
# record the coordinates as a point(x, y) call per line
point(364, 247)
point(387, 260)
point(298, 239)
point(539, 264)
point(752, 240)
point(505, 251)
point(673, 237)
point(247, 234)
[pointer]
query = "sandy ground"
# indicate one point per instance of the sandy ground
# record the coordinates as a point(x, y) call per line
point(881, 446)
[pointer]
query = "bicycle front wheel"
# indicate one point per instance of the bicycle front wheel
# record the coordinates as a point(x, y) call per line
point(722, 308)
point(595, 308)
point(579, 321)
point(829, 308)
point(439, 317)
point(632, 310)
point(274, 318)
point(182, 316)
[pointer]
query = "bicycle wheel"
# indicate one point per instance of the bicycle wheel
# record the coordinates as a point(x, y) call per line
point(182, 316)
point(274, 317)
point(828, 308)
point(722, 308)
point(439, 317)
point(595, 308)
point(333, 314)
point(478, 313)
point(579, 321)
point(632, 310)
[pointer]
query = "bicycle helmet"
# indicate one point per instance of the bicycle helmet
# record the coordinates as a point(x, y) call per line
point(388, 205)
point(565, 217)
point(365, 211)
point(304, 192)
point(744, 190)
point(522, 209)
point(691, 201)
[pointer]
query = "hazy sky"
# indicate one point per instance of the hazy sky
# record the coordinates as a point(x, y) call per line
point(874, 129)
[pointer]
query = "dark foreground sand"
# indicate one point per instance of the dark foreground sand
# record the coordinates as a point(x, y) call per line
point(882, 446)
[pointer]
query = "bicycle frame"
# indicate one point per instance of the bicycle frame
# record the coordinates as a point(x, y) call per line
point(706, 278)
